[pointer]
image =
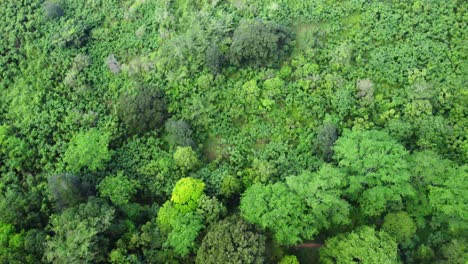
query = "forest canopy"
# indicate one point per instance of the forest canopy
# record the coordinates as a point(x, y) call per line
point(233, 131)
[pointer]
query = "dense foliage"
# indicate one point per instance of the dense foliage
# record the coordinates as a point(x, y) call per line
point(177, 131)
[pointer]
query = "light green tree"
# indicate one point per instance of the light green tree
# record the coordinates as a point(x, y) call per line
point(185, 158)
point(400, 226)
point(364, 245)
point(300, 208)
point(187, 193)
point(289, 259)
point(179, 217)
point(449, 201)
point(119, 189)
point(377, 170)
point(87, 149)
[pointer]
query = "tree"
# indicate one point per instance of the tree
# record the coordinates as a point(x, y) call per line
point(187, 193)
point(231, 241)
point(455, 252)
point(214, 58)
point(66, 189)
point(289, 259)
point(377, 170)
point(324, 141)
point(259, 43)
point(230, 186)
point(11, 244)
point(211, 209)
point(450, 202)
point(365, 90)
point(400, 226)
point(142, 112)
point(185, 158)
point(262, 171)
point(298, 209)
point(179, 218)
point(87, 150)
point(186, 228)
point(364, 245)
point(52, 10)
point(119, 189)
point(427, 169)
point(23, 200)
point(18, 153)
point(77, 233)
point(179, 133)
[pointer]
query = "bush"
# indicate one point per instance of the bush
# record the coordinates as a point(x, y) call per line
point(259, 43)
point(143, 112)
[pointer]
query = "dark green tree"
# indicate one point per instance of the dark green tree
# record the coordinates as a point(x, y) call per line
point(231, 241)
point(326, 137)
point(179, 133)
point(259, 43)
point(66, 189)
point(144, 111)
point(77, 233)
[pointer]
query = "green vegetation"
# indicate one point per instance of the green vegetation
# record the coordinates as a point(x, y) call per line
point(239, 131)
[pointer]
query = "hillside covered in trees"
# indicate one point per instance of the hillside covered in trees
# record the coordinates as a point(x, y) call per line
point(233, 131)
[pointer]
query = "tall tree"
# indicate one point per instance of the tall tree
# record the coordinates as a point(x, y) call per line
point(377, 170)
point(300, 208)
point(77, 233)
point(364, 245)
